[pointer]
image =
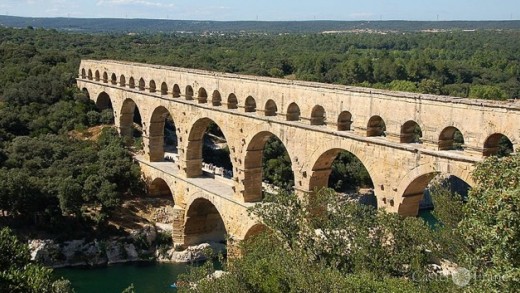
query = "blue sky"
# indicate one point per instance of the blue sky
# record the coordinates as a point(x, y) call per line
point(269, 9)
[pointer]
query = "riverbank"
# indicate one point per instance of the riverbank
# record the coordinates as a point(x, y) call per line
point(144, 228)
point(142, 246)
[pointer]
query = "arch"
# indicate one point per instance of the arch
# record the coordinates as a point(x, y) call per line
point(451, 139)
point(497, 144)
point(151, 86)
point(142, 84)
point(128, 115)
point(103, 101)
point(250, 105)
point(189, 93)
point(156, 134)
point(113, 79)
point(203, 96)
point(253, 166)
point(322, 168)
point(216, 99)
point(194, 154)
point(410, 132)
point(159, 188)
point(270, 108)
point(164, 88)
point(85, 92)
point(416, 188)
point(96, 75)
point(131, 83)
point(411, 187)
point(176, 92)
point(318, 115)
point(105, 77)
point(83, 73)
point(255, 230)
point(203, 223)
point(293, 112)
point(344, 121)
point(232, 102)
point(376, 126)
point(89, 74)
point(122, 80)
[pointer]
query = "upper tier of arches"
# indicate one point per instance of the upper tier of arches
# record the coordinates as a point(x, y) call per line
point(450, 138)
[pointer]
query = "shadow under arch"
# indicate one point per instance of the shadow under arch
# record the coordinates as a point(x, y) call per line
point(253, 166)
point(194, 149)
point(164, 88)
point(203, 223)
point(159, 188)
point(232, 102)
point(497, 144)
point(158, 133)
point(103, 101)
point(250, 104)
point(417, 182)
point(293, 112)
point(202, 97)
point(410, 132)
point(216, 98)
point(451, 138)
point(344, 121)
point(318, 115)
point(270, 108)
point(85, 92)
point(376, 126)
point(176, 91)
point(321, 176)
point(129, 115)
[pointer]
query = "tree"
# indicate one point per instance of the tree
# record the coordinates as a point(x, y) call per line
point(491, 224)
point(18, 274)
point(326, 242)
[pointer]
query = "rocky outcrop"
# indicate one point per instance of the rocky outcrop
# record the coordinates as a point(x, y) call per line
point(82, 253)
point(139, 246)
point(192, 253)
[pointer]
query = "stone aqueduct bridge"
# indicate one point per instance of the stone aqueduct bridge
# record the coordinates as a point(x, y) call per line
point(314, 121)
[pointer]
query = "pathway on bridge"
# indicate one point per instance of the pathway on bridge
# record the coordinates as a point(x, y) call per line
point(216, 185)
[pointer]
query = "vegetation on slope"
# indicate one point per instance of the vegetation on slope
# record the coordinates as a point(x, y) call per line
point(342, 246)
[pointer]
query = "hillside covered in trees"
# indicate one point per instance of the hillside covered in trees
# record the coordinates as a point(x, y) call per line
point(49, 179)
point(127, 25)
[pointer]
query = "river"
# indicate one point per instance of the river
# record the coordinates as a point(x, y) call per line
point(146, 277)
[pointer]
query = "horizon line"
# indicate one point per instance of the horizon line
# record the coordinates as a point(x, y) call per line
point(258, 20)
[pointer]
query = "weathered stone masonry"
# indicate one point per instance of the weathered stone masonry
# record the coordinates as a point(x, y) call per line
point(314, 121)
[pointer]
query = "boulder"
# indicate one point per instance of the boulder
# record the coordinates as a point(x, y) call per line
point(194, 253)
point(115, 253)
point(95, 254)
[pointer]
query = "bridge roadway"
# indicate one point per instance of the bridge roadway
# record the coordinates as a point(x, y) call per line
point(315, 122)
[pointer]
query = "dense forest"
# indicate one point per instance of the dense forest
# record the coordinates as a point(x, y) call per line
point(120, 25)
point(50, 176)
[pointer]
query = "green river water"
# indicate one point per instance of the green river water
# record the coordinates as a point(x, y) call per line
point(146, 277)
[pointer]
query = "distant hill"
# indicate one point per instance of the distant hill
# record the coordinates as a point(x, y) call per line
point(118, 25)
